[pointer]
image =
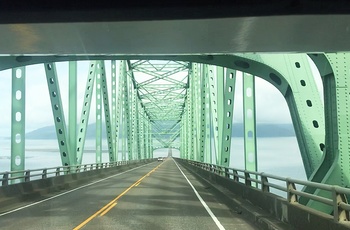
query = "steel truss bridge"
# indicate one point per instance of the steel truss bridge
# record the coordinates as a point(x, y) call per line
point(172, 85)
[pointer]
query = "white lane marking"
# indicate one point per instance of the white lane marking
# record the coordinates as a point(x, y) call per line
point(64, 193)
point(215, 219)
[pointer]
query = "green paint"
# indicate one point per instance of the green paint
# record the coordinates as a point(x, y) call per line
point(213, 97)
point(72, 111)
point(98, 99)
point(18, 99)
point(250, 150)
point(115, 117)
point(57, 111)
point(228, 102)
point(335, 167)
point(102, 71)
point(84, 118)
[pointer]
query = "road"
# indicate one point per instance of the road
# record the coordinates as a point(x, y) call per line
point(159, 195)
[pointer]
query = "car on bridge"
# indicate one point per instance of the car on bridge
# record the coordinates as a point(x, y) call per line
point(160, 159)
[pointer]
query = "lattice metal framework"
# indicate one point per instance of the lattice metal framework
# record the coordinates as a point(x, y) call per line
point(186, 102)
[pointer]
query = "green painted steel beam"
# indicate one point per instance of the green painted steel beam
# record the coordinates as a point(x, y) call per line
point(118, 112)
point(72, 110)
point(220, 111)
point(228, 102)
point(85, 113)
point(208, 141)
point(335, 166)
point(98, 107)
point(114, 109)
point(18, 99)
point(291, 74)
point(150, 140)
point(104, 90)
point(58, 115)
point(125, 112)
point(249, 120)
point(128, 113)
point(213, 93)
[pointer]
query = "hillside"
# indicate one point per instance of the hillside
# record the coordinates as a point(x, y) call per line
point(266, 130)
point(262, 130)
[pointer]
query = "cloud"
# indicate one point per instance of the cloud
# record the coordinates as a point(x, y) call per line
point(271, 106)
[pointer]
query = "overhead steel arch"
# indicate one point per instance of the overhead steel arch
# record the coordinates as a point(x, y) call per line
point(267, 66)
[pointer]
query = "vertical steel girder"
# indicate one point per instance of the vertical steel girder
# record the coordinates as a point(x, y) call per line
point(150, 140)
point(214, 109)
point(142, 145)
point(119, 107)
point(219, 81)
point(84, 118)
point(228, 102)
point(126, 110)
point(98, 99)
point(132, 121)
point(72, 111)
point(102, 71)
point(57, 110)
point(182, 138)
point(208, 152)
point(250, 151)
point(195, 112)
point(201, 111)
point(187, 132)
point(18, 119)
point(114, 118)
point(191, 117)
point(145, 135)
point(137, 127)
point(221, 88)
point(189, 126)
point(129, 119)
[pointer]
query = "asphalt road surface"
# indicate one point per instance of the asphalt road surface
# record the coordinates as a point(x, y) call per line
point(159, 195)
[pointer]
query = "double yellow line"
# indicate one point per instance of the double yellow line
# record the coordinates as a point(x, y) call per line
point(113, 203)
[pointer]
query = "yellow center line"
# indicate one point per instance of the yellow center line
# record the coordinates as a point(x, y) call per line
point(112, 203)
point(109, 208)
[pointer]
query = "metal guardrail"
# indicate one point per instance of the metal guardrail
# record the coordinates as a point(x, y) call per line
point(7, 178)
point(341, 207)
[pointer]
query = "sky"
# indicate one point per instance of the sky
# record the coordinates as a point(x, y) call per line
point(270, 104)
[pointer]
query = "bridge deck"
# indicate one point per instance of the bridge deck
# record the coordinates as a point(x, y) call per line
point(154, 196)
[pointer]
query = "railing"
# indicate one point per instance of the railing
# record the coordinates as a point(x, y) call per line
point(12, 177)
point(262, 181)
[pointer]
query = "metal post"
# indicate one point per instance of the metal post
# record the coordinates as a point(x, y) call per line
point(72, 112)
point(208, 152)
point(250, 152)
point(98, 99)
point(119, 109)
point(18, 120)
point(228, 102)
point(214, 108)
point(101, 70)
point(220, 112)
point(114, 109)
